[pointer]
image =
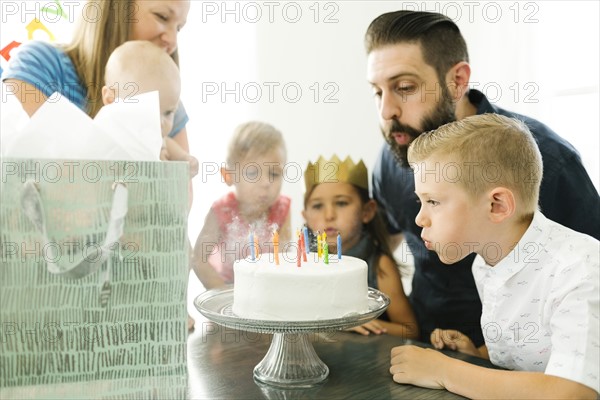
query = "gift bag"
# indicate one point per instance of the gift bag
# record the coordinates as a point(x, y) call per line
point(94, 274)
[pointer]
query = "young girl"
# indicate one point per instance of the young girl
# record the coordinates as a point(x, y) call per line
point(337, 200)
point(255, 162)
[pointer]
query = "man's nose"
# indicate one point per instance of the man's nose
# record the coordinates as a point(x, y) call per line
point(389, 107)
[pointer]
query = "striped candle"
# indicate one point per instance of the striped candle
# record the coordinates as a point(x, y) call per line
point(319, 250)
point(299, 254)
point(276, 246)
point(306, 241)
point(256, 248)
point(252, 250)
point(304, 246)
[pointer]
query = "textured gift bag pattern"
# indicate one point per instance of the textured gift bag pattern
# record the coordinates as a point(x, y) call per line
point(126, 320)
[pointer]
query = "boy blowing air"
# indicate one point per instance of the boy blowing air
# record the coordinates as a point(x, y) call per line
point(478, 182)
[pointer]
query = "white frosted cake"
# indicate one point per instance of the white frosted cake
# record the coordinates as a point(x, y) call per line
point(286, 292)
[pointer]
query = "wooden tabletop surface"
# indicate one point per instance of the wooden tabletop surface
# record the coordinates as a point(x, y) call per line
point(221, 363)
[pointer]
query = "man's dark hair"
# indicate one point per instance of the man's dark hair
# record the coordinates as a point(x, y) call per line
point(441, 42)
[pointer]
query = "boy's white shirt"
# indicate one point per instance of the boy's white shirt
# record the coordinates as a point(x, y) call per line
point(540, 304)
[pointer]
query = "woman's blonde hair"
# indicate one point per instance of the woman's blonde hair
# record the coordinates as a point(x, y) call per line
point(254, 138)
point(482, 152)
point(95, 39)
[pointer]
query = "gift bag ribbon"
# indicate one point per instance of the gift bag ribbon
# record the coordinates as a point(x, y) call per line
point(31, 203)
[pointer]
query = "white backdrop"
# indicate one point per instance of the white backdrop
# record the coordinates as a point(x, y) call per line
point(537, 58)
point(301, 66)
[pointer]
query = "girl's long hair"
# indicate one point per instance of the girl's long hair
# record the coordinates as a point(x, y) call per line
point(376, 227)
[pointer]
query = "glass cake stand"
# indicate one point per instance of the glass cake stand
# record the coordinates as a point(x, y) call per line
point(291, 360)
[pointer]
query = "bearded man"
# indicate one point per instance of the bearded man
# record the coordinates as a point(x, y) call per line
point(418, 67)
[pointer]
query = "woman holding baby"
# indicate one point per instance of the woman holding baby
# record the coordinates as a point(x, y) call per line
point(77, 70)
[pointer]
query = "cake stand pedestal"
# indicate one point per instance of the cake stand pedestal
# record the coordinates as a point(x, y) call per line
point(291, 360)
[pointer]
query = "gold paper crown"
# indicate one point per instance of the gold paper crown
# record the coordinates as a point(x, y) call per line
point(334, 170)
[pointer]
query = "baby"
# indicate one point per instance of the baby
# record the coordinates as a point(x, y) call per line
point(138, 67)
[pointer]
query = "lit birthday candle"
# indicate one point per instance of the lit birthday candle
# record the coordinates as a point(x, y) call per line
point(304, 246)
point(325, 252)
point(299, 254)
point(324, 237)
point(301, 239)
point(306, 241)
point(298, 235)
point(319, 251)
point(252, 250)
point(339, 245)
point(276, 246)
point(256, 251)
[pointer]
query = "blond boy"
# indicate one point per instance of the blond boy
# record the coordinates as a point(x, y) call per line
point(478, 182)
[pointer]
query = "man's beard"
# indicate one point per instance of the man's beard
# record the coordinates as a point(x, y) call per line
point(442, 114)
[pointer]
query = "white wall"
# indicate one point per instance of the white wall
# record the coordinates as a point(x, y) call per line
point(537, 58)
point(540, 58)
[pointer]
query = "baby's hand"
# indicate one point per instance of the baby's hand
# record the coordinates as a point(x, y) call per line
point(164, 153)
point(453, 340)
point(194, 165)
point(366, 329)
point(171, 151)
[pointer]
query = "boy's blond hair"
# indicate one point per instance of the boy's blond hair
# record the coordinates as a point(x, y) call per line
point(483, 152)
point(254, 138)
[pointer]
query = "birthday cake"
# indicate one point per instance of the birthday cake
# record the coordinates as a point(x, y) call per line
point(288, 292)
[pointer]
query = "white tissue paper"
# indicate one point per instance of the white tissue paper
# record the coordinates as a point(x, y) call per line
point(12, 116)
point(125, 130)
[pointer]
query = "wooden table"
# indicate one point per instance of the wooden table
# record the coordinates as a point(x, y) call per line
point(221, 361)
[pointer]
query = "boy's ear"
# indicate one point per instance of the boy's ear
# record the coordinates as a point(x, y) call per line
point(227, 177)
point(108, 95)
point(368, 211)
point(503, 204)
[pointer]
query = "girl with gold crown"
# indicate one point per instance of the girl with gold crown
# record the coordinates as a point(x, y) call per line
point(337, 201)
